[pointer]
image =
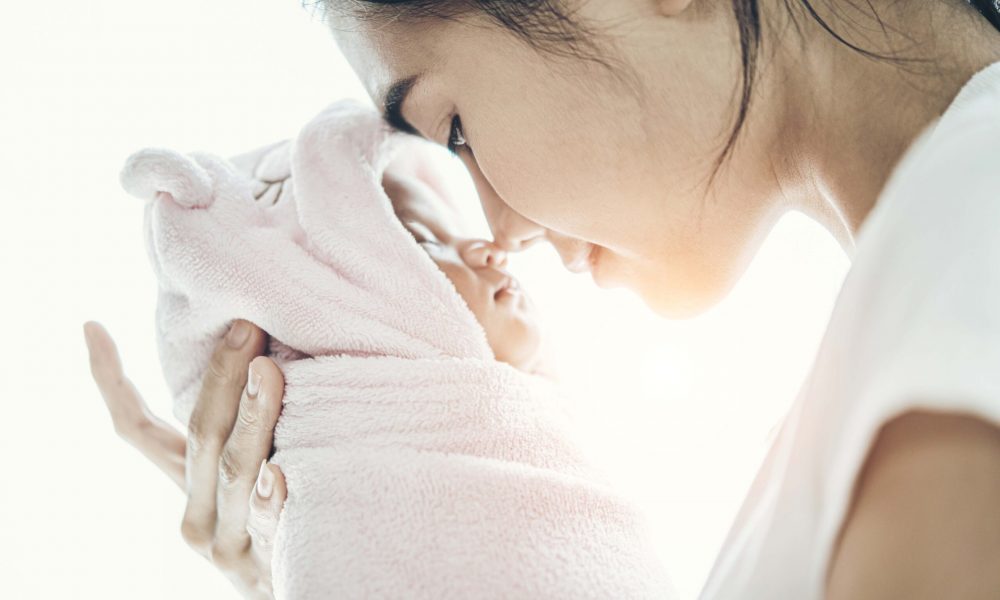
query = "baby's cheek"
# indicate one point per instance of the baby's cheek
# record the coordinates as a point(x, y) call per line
point(467, 287)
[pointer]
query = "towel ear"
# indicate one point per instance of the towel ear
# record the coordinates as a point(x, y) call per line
point(154, 171)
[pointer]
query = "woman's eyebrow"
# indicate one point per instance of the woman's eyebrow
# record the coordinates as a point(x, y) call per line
point(393, 102)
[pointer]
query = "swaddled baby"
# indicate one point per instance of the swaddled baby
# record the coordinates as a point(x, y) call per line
point(475, 267)
point(419, 461)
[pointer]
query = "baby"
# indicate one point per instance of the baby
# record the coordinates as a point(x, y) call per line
point(475, 267)
point(423, 456)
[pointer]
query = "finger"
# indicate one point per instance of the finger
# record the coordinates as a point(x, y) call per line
point(266, 503)
point(106, 368)
point(248, 444)
point(160, 442)
point(210, 425)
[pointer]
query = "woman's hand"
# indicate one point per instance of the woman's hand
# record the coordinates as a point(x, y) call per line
point(234, 495)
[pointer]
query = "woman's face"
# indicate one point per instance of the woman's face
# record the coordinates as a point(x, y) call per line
point(476, 269)
point(610, 165)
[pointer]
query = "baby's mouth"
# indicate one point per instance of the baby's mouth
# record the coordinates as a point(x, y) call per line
point(509, 286)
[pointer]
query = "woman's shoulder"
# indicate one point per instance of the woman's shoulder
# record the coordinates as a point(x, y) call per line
point(964, 141)
point(919, 311)
point(917, 437)
point(935, 231)
point(949, 177)
point(916, 327)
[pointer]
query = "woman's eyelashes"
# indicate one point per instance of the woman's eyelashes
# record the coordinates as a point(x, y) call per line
point(456, 136)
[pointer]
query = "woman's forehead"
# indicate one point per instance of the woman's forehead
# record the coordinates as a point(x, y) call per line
point(383, 55)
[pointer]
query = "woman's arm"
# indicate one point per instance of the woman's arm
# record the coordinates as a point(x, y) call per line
point(925, 519)
point(234, 498)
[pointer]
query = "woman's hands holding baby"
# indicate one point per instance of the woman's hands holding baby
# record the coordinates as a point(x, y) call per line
point(234, 497)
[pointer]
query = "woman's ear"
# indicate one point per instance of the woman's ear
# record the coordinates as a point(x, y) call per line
point(672, 8)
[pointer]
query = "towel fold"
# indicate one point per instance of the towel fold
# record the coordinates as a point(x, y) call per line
point(448, 478)
point(417, 465)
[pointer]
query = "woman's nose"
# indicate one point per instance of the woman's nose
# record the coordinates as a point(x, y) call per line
point(481, 253)
point(511, 231)
point(514, 232)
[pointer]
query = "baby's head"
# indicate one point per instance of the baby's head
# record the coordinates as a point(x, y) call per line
point(474, 266)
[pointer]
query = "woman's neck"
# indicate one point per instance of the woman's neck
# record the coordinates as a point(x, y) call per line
point(866, 112)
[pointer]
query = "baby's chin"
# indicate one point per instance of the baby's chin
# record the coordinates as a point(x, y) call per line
point(516, 340)
point(522, 355)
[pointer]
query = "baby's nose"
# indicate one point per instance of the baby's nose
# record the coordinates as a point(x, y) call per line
point(481, 253)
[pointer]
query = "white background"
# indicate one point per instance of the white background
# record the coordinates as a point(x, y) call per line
point(678, 412)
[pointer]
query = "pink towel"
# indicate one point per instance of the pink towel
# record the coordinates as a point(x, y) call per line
point(417, 465)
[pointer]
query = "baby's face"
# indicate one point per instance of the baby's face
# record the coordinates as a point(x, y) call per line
point(476, 269)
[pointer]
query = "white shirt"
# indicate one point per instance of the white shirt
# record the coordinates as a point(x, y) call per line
point(916, 326)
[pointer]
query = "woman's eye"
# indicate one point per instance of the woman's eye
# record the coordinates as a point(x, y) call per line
point(456, 137)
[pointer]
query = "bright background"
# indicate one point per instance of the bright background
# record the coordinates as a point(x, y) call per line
point(678, 412)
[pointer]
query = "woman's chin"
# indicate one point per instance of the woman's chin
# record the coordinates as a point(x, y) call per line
point(674, 302)
point(672, 295)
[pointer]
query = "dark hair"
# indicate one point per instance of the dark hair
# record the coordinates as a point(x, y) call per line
point(551, 26)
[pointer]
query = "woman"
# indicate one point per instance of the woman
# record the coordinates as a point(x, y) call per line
point(612, 131)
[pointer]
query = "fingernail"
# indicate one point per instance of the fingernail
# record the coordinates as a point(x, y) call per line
point(238, 334)
point(265, 481)
point(253, 382)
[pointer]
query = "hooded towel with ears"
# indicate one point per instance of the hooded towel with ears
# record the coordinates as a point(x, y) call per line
point(417, 465)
